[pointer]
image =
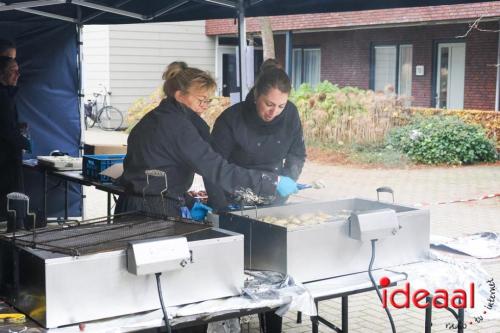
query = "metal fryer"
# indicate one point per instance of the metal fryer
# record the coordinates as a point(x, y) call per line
point(75, 274)
point(324, 250)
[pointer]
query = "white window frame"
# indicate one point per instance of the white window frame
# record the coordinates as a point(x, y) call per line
point(397, 65)
point(302, 74)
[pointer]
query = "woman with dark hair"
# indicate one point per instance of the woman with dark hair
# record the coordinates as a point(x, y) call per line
point(173, 138)
point(12, 142)
point(264, 132)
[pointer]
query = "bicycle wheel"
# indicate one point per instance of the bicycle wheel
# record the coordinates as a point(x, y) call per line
point(89, 122)
point(110, 118)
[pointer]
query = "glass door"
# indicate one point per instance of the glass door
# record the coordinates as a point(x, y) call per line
point(450, 76)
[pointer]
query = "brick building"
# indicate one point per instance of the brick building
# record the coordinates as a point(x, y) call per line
point(428, 53)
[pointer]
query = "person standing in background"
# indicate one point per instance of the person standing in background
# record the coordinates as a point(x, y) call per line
point(12, 142)
point(172, 138)
point(7, 49)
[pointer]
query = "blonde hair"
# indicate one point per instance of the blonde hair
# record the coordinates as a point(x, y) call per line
point(180, 77)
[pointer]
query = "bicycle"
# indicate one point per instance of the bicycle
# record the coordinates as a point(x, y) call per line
point(107, 117)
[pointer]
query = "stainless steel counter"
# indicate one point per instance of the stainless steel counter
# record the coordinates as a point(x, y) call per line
point(325, 250)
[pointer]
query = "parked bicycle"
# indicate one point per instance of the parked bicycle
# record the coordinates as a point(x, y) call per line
point(107, 117)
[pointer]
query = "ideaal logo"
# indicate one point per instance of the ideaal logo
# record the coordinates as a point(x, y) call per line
point(441, 298)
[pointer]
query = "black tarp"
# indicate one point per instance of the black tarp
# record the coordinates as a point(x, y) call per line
point(201, 10)
point(47, 99)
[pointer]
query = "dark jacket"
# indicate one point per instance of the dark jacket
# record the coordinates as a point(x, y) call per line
point(243, 138)
point(170, 138)
point(12, 144)
point(11, 141)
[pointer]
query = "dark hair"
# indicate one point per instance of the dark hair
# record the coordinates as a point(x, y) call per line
point(272, 78)
point(5, 62)
point(269, 64)
point(6, 45)
point(180, 77)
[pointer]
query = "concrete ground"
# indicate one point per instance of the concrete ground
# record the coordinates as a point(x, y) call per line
point(411, 186)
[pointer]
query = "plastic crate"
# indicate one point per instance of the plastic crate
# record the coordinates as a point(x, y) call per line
point(93, 165)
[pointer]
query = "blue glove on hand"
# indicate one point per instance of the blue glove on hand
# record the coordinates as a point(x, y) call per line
point(185, 213)
point(199, 211)
point(286, 186)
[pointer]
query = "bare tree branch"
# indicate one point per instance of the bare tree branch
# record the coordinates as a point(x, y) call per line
point(475, 26)
point(472, 26)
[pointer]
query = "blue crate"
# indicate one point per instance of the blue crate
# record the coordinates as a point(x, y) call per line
point(95, 164)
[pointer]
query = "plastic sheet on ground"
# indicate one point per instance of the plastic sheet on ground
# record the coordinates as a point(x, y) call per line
point(450, 273)
point(262, 289)
point(484, 245)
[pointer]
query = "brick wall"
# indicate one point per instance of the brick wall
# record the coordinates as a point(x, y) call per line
point(364, 18)
point(345, 58)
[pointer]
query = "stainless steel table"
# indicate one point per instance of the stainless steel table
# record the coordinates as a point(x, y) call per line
point(77, 177)
point(345, 286)
point(74, 176)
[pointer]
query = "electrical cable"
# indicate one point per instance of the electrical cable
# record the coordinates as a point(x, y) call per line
point(376, 286)
point(158, 283)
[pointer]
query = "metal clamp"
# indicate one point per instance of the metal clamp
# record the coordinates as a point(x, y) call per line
point(158, 174)
point(385, 189)
point(20, 197)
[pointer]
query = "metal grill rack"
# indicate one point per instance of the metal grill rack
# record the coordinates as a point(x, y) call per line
point(98, 236)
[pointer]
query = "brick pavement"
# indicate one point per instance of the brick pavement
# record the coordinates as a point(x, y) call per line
point(410, 186)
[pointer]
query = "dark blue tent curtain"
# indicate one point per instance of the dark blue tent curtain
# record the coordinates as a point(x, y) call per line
point(47, 99)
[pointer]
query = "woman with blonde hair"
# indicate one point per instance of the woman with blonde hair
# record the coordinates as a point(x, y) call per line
point(173, 138)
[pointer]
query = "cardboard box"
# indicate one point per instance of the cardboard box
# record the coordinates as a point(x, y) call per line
point(98, 149)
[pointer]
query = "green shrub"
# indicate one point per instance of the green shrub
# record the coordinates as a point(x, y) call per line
point(442, 140)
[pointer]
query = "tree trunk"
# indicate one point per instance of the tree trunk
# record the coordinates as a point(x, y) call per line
point(267, 38)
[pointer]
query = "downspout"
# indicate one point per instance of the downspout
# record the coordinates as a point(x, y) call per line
point(288, 53)
point(497, 99)
point(216, 70)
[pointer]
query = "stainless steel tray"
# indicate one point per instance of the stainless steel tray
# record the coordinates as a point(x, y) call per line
point(56, 289)
point(325, 250)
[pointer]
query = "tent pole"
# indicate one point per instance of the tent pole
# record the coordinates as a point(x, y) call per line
point(242, 39)
point(497, 99)
point(81, 94)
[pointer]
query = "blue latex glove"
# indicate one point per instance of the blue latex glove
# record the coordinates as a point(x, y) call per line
point(199, 211)
point(233, 207)
point(185, 213)
point(286, 186)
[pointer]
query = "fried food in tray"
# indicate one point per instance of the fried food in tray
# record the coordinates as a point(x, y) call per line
point(307, 219)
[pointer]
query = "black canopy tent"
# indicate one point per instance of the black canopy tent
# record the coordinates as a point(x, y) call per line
point(47, 33)
point(82, 12)
point(136, 11)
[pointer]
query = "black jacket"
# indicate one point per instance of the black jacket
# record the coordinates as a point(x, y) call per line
point(12, 144)
point(170, 138)
point(11, 141)
point(243, 138)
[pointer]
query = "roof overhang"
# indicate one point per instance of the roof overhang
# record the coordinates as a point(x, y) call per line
point(137, 11)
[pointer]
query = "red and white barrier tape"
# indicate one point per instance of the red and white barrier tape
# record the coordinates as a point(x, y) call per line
point(486, 196)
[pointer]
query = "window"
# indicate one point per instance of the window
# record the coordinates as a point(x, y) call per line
point(306, 64)
point(393, 65)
